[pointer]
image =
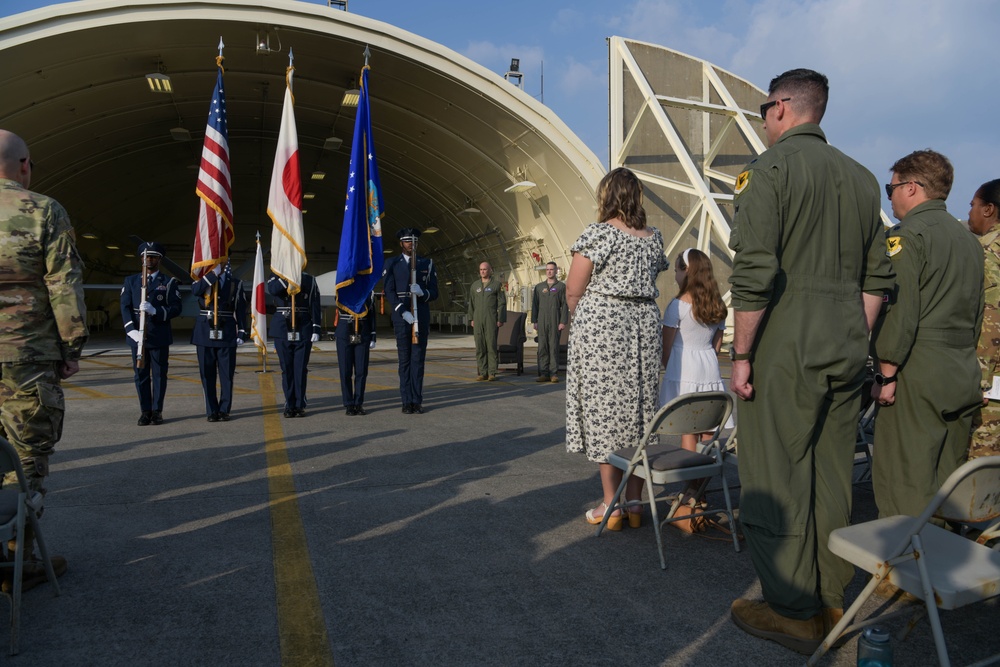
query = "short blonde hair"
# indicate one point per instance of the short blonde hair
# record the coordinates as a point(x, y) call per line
point(930, 168)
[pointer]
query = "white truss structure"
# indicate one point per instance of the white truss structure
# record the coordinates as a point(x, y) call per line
point(686, 128)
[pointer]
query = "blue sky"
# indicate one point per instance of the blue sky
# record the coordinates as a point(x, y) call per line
point(904, 74)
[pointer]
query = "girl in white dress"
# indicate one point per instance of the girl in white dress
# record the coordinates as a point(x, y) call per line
point(693, 324)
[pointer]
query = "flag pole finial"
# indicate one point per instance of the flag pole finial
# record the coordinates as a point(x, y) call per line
point(291, 58)
point(221, 46)
point(258, 236)
point(368, 54)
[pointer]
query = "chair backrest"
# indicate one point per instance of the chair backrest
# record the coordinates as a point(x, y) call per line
point(704, 412)
point(975, 494)
point(511, 334)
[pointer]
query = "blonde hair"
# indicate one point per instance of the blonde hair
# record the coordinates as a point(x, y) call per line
point(619, 195)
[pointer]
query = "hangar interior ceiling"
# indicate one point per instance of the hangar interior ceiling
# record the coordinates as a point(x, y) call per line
point(450, 135)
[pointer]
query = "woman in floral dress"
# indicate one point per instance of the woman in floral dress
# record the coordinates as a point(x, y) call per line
point(614, 342)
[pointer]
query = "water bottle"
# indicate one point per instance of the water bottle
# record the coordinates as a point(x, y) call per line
point(874, 649)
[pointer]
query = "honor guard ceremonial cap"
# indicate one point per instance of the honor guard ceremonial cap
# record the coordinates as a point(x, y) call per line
point(151, 248)
point(408, 234)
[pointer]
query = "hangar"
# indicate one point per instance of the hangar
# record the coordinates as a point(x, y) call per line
point(452, 136)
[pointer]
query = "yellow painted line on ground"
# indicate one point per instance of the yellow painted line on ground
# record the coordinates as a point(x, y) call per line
point(89, 393)
point(301, 628)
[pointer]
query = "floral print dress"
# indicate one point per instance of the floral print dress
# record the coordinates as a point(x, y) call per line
point(614, 342)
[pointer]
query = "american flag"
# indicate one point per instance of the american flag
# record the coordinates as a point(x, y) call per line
point(215, 233)
point(360, 260)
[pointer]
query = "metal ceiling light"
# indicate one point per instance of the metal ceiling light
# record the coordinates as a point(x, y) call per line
point(89, 235)
point(309, 195)
point(351, 98)
point(180, 134)
point(431, 230)
point(332, 143)
point(469, 210)
point(318, 175)
point(520, 186)
point(159, 83)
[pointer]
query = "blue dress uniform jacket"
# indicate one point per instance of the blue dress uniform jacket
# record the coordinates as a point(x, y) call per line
point(294, 355)
point(397, 293)
point(217, 357)
point(164, 294)
point(352, 358)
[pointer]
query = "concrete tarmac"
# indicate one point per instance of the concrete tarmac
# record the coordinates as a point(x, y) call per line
point(455, 537)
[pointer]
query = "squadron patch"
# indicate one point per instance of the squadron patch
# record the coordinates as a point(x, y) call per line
point(742, 181)
point(893, 245)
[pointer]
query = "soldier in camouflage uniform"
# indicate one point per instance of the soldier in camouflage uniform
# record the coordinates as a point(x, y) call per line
point(43, 325)
point(984, 214)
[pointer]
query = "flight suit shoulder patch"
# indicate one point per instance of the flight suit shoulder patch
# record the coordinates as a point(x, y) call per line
point(893, 245)
point(743, 181)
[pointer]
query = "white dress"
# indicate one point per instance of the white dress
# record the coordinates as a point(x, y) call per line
point(693, 365)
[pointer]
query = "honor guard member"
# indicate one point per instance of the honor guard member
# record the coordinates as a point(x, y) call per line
point(218, 330)
point(399, 291)
point(355, 341)
point(162, 304)
point(808, 276)
point(487, 313)
point(294, 344)
point(549, 315)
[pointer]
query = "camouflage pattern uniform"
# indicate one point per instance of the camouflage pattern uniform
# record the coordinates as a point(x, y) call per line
point(986, 423)
point(43, 322)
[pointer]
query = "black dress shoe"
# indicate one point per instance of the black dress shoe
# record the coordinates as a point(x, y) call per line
point(214, 417)
point(289, 413)
point(358, 410)
point(224, 416)
point(145, 418)
point(350, 411)
point(408, 408)
point(300, 413)
point(157, 417)
point(417, 410)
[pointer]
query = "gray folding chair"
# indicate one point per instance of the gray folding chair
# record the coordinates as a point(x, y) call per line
point(663, 464)
point(19, 506)
point(940, 567)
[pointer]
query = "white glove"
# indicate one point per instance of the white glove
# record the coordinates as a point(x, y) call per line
point(135, 335)
point(239, 341)
point(408, 317)
point(314, 339)
point(147, 307)
point(217, 270)
point(371, 345)
point(417, 289)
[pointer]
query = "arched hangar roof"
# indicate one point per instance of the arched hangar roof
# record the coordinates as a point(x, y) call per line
point(450, 134)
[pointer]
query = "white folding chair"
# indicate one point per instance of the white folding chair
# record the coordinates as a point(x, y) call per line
point(19, 506)
point(940, 567)
point(663, 464)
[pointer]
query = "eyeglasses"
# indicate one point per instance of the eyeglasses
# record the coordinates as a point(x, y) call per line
point(767, 105)
point(890, 187)
point(29, 161)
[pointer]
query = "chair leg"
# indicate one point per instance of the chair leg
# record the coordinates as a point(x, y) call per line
point(841, 625)
point(50, 572)
point(618, 501)
point(729, 512)
point(932, 611)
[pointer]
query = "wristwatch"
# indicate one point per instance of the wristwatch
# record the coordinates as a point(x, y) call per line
point(882, 380)
point(738, 356)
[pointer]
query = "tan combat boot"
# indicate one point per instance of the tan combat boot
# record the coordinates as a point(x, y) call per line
point(758, 619)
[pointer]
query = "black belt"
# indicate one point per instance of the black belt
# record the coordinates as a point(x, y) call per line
point(286, 310)
point(222, 313)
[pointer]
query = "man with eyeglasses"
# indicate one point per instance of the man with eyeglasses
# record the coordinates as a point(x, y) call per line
point(928, 379)
point(42, 328)
point(809, 273)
